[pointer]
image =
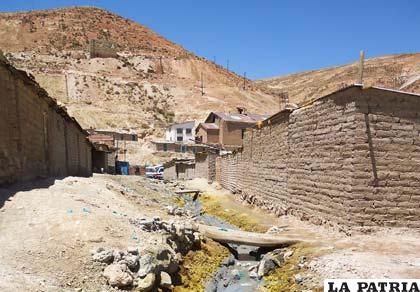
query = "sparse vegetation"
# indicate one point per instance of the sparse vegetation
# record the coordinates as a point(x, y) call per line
point(200, 265)
point(242, 220)
point(282, 279)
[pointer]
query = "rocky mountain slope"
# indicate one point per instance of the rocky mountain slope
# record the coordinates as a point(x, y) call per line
point(147, 84)
point(401, 72)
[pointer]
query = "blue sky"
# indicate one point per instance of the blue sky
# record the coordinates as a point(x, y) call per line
point(267, 37)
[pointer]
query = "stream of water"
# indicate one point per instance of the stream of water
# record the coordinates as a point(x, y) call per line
point(234, 274)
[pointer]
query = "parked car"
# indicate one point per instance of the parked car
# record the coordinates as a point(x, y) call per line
point(155, 172)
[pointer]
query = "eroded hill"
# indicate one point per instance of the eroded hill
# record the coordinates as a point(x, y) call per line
point(401, 72)
point(149, 83)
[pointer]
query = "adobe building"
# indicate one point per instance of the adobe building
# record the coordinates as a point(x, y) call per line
point(227, 129)
point(103, 158)
point(207, 133)
point(38, 138)
point(351, 158)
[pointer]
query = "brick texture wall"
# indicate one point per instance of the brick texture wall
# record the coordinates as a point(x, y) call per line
point(350, 159)
point(37, 139)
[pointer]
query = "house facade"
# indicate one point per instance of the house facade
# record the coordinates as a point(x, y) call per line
point(181, 132)
point(227, 129)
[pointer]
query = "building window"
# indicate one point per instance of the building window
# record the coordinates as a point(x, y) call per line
point(183, 148)
point(165, 147)
point(179, 139)
point(188, 131)
point(179, 130)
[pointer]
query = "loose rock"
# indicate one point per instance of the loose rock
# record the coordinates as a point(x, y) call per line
point(147, 283)
point(147, 265)
point(104, 256)
point(118, 275)
point(165, 280)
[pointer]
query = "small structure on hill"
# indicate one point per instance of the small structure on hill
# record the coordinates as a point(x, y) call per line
point(102, 49)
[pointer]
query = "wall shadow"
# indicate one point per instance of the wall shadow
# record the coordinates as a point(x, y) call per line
point(8, 191)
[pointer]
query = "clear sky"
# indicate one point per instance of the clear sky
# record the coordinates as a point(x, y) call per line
point(267, 38)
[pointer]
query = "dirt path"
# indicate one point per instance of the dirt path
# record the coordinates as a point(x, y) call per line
point(47, 233)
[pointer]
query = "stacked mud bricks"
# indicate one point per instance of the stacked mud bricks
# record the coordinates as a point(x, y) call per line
point(38, 138)
point(351, 158)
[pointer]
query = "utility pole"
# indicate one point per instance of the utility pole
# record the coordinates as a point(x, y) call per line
point(244, 80)
point(202, 84)
point(283, 98)
point(361, 66)
point(214, 59)
point(227, 64)
point(161, 65)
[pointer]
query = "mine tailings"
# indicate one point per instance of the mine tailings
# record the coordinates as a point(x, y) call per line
point(239, 267)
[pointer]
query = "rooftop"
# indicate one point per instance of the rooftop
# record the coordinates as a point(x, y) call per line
point(241, 118)
point(209, 126)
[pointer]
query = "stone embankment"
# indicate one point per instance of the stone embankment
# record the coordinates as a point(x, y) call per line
point(146, 268)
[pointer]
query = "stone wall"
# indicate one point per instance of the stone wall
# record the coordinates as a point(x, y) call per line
point(351, 159)
point(37, 138)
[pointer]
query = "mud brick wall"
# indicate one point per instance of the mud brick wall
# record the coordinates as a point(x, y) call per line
point(38, 139)
point(351, 159)
point(386, 180)
point(205, 166)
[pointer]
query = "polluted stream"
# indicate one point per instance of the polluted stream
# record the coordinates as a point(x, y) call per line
point(238, 272)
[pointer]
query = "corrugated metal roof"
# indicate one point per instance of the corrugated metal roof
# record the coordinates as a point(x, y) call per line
point(241, 118)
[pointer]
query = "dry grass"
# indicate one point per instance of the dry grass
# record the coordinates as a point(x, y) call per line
point(282, 278)
point(242, 220)
point(200, 265)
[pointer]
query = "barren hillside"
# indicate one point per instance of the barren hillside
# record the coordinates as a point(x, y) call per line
point(150, 83)
point(400, 72)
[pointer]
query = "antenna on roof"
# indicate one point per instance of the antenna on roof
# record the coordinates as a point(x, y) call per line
point(361, 66)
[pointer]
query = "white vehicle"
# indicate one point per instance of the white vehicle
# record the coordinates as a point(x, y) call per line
point(155, 171)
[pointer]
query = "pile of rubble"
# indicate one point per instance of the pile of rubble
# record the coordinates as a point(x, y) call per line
point(153, 267)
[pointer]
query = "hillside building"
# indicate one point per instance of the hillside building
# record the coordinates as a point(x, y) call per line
point(180, 132)
point(226, 129)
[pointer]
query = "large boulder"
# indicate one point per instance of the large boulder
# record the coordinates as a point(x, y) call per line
point(118, 275)
point(147, 283)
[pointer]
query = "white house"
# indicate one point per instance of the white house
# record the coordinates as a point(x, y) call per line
point(181, 132)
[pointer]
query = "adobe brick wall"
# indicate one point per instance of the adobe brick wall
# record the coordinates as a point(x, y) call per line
point(349, 159)
point(37, 139)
